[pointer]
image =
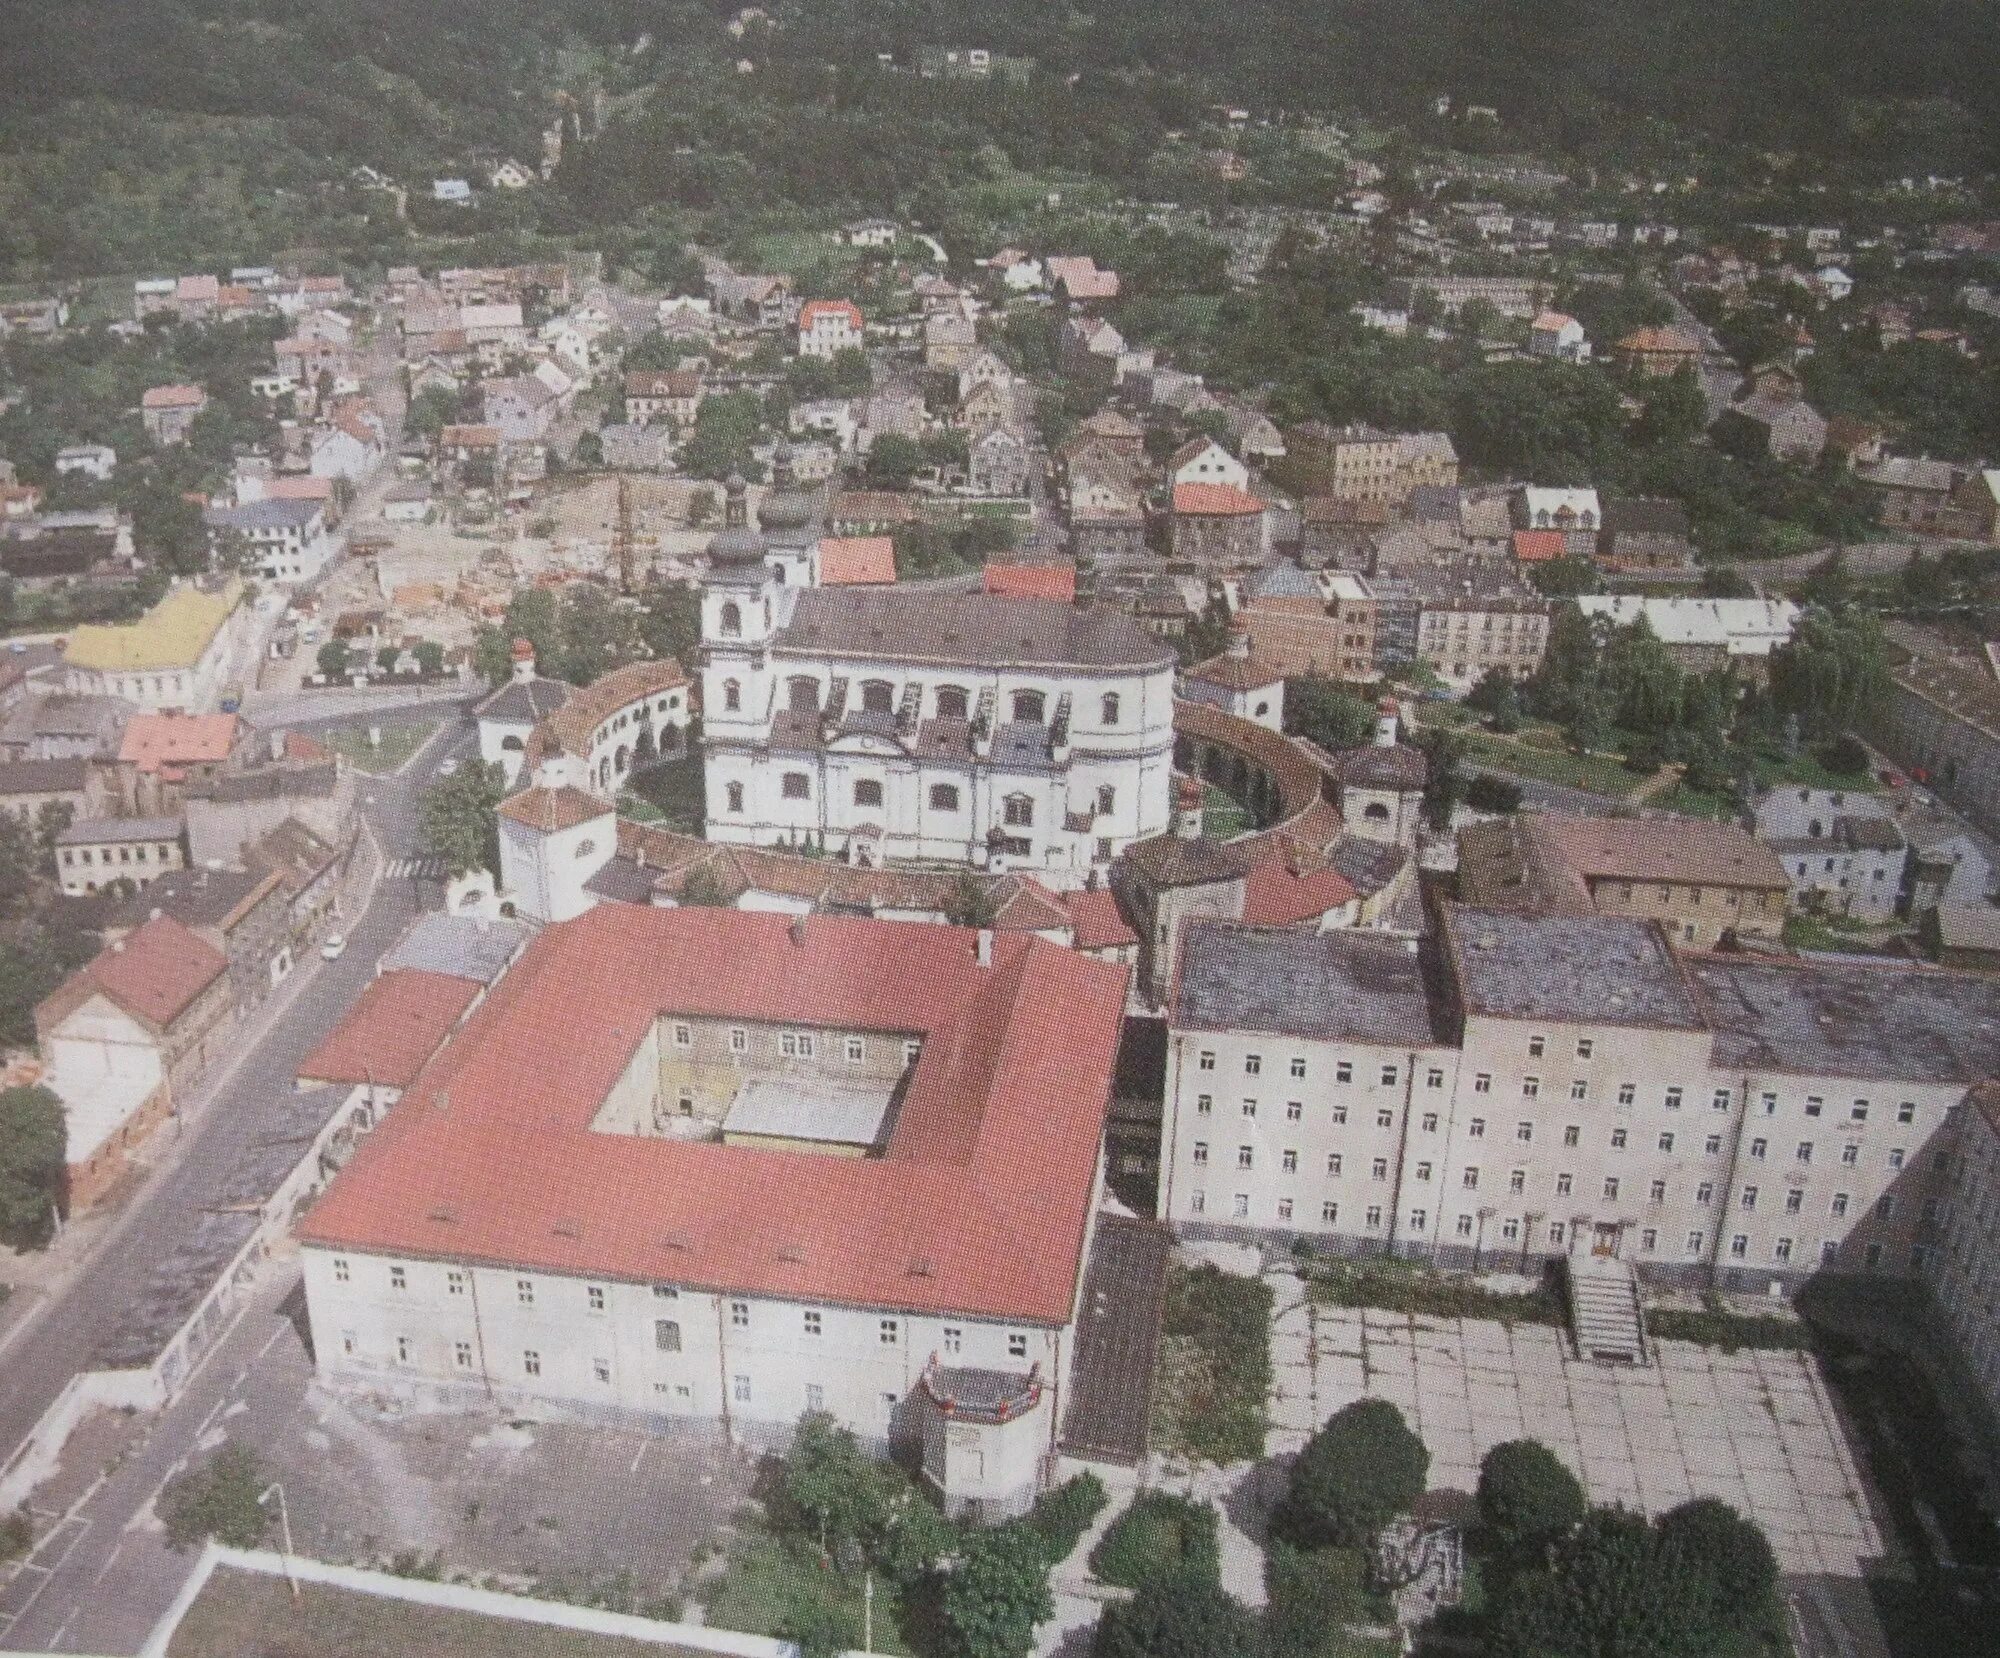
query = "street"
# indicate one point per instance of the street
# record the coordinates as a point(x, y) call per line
point(82, 1302)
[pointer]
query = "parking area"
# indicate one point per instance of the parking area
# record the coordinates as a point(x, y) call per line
point(1756, 1429)
point(521, 1503)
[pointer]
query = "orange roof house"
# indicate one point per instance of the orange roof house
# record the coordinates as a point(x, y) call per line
point(857, 561)
point(1214, 501)
point(1538, 546)
point(393, 1030)
point(978, 1202)
point(1032, 578)
point(167, 744)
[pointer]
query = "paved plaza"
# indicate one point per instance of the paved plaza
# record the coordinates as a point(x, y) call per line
point(1755, 1429)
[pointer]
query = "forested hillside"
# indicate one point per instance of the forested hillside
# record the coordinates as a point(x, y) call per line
point(136, 133)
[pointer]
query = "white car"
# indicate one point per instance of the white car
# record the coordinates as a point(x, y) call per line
point(448, 769)
point(334, 948)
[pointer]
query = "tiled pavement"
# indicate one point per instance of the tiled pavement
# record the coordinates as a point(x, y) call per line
point(1755, 1429)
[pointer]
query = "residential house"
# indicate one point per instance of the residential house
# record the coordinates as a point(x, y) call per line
point(855, 561)
point(1942, 724)
point(122, 1037)
point(282, 541)
point(1219, 526)
point(175, 656)
point(1704, 635)
point(1349, 463)
point(1424, 460)
point(1783, 424)
point(1654, 352)
point(1702, 882)
point(167, 412)
point(115, 853)
point(1975, 506)
point(950, 339)
point(828, 327)
point(988, 404)
point(521, 408)
point(1300, 623)
point(1559, 337)
point(869, 233)
point(243, 914)
point(162, 755)
point(96, 461)
point(1910, 494)
point(1204, 461)
point(1078, 280)
point(1646, 537)
point(663, 394)
point(997, 462)
point(1845, 854)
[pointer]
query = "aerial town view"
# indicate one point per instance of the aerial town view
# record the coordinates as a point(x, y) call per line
point(992, 831)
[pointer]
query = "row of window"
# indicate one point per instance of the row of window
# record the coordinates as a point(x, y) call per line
point(667, 1331)
point(1510, 1229)
point(878, 696)
point(142, 853)
point(797, 1044)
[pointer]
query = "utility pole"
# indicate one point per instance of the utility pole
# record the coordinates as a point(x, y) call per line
point(285, 1531)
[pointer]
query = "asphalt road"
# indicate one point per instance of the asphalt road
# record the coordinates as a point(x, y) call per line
point(58, 1336)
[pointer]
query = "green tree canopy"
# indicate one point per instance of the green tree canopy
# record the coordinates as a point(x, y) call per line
point(1355, 1475)
point(1327, 712)
point(995, 1593)
point(34, 1141)
point(455, 818)
point(1526, 1496)
point(218, 1500)
point(1178, 1615)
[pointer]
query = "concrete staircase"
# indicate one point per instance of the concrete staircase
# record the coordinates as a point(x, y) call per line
point(1604, 1316)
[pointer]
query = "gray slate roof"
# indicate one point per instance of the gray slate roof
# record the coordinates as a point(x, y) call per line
point(1823, 1018)
point(982, 630)
point(1337, 986)
point(524, 703)
point(458, 945)
point(1581, 968)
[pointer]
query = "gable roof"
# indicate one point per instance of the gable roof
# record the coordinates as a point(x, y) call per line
point(1214, 501)
point(155, 974)
point(1031, 578)
point(848, 560)
point(391, 1032)
point(166, 742)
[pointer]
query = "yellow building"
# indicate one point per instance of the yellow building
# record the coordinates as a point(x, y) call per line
point(175, 657)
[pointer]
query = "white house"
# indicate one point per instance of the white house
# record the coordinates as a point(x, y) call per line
point(286, 541)
point(1204, 461)
point(1560, 336)
point(1024, 734)
point(828, 327)
point(507, 717)
point(1560, 509)
point(88, 460)
point(454, 190)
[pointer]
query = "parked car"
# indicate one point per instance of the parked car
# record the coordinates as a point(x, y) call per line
point(334, 948)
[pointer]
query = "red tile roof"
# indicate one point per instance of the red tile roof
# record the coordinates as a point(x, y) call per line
point(1095, 918)
point(172, 397)
point(550, 810)
point(1052, 580)
point(1273, 896)
point(167, 742)
point(154, 974)
point(1535, 546)
point(392, 1030)
point(856, 560)
point(1214, 501)
point(979, 1205)
point(814, 309)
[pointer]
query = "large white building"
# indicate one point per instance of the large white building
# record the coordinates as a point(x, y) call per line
point(1001, 733)
point(1528, 1086)
point(819, 1164)
point(177, 657)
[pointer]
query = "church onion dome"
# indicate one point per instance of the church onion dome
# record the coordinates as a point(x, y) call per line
point(736, 543)
point(786, 507)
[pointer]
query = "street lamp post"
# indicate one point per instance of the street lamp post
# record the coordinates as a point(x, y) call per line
point(284, 1530)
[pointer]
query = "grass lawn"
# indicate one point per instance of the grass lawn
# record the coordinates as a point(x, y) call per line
point(1214, 1373)
point(1678, 797)
point(671, 794)
point(245, 1612)
point(1806, 771)
point(1826, 932)
point(1595, 773)
point(1221, 817)
point(1399, 1287)
point(767, 1578)
point(801, 250)
point(399, 742)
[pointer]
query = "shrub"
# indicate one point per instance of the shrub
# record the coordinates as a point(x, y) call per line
point(1159, 1533)
point(1526, 1496)
point(996, 1594)
point(1361, 1470)
point(1178, 1617)
point(17, 1534)
point(1215, 1371)
point(1063, 1515)
point(1488, 793)
point(217, 1500)
point(1313, 1592)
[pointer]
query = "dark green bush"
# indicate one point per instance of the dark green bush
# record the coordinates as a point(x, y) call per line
point(1160, 1533)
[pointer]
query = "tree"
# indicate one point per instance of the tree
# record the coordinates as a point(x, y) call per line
point(969, 903)
point(52, 817)
point(1327, 712)
point(34, 1148)
point(1720, 1548)
point(455, 818)
point(332, 659)
point(995, 1594)
point(387, 657)
point(1486, 792)
point(832, 1483)
point(1833, 672)
point(217, 1500)
point(893, 460)
point(701, 890)
point(1444, 753)
point(1361, 1470)
point(670, 620)
point(1179, 1615)
point(1527, 1497)
point(430, 658)
point(820, 1627)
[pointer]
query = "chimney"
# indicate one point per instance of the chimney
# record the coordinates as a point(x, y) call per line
point(156, 913)
point(1239, 638)
point(524, 661)
point(1187, 808)
point(277, 745)
point(982, 947)
point(1386, 715)
point(797, 930)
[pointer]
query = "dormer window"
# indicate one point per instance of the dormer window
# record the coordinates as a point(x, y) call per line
point(731, 620)
point(952, 702)
point(1028, 707)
